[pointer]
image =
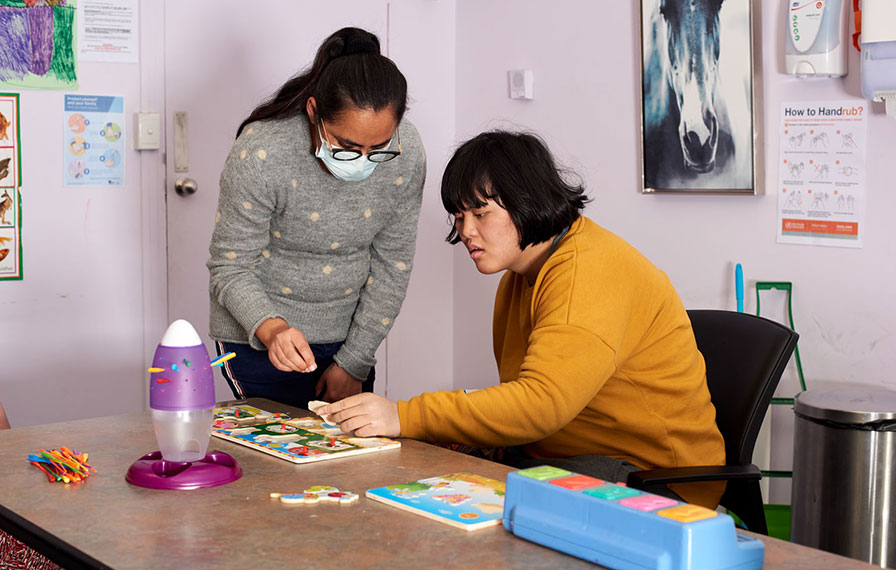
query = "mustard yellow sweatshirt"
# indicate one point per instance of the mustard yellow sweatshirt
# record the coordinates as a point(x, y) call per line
point(596, 357)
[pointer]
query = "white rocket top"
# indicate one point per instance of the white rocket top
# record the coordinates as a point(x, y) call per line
point(181, 334)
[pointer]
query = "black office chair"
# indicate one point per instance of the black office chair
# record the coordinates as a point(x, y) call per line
point(745, 356)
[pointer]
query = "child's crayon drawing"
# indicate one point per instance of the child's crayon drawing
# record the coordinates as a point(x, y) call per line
point(464, 500)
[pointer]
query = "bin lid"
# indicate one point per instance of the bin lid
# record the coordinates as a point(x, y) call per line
point(847, 405)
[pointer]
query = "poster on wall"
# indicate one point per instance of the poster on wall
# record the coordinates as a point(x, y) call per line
point(821, 173)
point(37, 38)
point(94, 140)
point(107, 31)
point(10, 179)
point(697, 107)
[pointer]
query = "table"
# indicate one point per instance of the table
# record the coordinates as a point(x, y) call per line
point(104, 522)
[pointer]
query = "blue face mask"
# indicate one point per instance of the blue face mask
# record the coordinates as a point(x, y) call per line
point(348, 170)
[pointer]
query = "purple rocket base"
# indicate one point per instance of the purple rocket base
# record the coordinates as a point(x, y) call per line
point(216, 468)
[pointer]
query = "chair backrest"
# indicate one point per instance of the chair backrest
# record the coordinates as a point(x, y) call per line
point(745, 357)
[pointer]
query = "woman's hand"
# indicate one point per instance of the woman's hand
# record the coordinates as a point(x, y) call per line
point(287, 348)
point(335, 384)
point(365, 414)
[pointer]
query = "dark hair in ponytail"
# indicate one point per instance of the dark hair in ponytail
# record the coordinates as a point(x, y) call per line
point(348, 69)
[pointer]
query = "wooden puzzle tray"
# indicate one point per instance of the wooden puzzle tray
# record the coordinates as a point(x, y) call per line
point(299, 440)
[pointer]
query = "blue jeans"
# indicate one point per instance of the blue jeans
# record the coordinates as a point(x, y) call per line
point(251, 375)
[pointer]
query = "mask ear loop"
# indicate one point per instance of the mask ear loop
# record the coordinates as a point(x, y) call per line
point(320, 135)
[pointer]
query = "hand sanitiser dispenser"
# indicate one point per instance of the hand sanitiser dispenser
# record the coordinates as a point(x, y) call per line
point(878, 41)
point(816, 38)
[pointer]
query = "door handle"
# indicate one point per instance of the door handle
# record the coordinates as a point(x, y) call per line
point(185, 186)
point(181, 156)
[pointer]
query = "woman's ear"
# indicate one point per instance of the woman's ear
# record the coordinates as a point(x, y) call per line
point(311, 110)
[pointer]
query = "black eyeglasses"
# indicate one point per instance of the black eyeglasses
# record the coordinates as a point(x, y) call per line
point(346, 154)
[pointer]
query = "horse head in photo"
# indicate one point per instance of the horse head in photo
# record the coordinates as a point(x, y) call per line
point(682, 88)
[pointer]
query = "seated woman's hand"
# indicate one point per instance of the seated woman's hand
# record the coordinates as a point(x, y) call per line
point(365, 414)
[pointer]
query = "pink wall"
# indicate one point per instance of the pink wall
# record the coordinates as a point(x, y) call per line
point(71, 332)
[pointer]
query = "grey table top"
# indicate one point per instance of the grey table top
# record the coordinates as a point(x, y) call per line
point(106, 522)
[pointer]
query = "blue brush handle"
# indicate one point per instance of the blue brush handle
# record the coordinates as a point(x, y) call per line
point(739, 287)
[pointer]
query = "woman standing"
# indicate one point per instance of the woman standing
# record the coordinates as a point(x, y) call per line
point(316, 227)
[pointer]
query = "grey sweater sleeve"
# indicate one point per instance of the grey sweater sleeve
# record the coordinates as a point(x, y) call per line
point(391, 261)
point(242, 226)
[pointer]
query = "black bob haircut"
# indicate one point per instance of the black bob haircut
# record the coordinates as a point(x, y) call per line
point(518, 172)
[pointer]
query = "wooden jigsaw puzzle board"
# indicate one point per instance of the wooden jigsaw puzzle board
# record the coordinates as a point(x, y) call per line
point(463, 500)
point(300, 440)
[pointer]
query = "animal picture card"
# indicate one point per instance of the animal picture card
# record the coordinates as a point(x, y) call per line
point(10, 179)
point(300, 440)
point(463, 500)
point(10, 254)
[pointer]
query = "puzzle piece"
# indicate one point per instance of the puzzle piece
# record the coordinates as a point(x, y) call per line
point(320, 489)
point(243, 431)
point(289, 438)
point(305, 423)
point(300, 498)
point(342, 497)
point(315, 405)
point(332, 444)
point(316, 494)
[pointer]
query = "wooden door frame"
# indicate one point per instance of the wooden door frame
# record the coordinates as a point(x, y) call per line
point(153, 183)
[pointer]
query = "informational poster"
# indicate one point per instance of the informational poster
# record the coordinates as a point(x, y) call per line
point(94, 140)
point(10, 179)
point(108, 30)
point(821, 173)
point(37, 44)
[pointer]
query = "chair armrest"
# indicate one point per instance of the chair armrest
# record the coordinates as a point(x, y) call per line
point(650, 477)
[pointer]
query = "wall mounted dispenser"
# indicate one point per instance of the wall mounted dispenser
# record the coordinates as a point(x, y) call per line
point(878, 43)
point(816, 43)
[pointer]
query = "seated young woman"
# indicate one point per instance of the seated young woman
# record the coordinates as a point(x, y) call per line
point(598, 367)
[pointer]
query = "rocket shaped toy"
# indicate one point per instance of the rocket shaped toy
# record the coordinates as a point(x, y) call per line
point(182, 394)
point(182, 401)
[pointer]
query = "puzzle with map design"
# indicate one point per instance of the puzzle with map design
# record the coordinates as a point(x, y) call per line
point(464, 500)
point(300, 440)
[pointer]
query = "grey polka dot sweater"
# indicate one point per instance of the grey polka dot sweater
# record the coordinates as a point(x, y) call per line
point(332, 258)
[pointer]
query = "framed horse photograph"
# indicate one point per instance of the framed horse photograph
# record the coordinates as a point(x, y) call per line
point(697, 97)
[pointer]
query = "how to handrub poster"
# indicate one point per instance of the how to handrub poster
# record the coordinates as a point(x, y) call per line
point(821, 173)
point(94, 140)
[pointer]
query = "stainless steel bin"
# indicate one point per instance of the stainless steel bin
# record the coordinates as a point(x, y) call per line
point(844, 479)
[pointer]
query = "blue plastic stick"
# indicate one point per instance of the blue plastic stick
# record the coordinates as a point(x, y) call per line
point(739, 287)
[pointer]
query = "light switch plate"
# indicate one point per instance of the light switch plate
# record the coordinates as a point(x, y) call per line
point(521, 84)
point(149, 131)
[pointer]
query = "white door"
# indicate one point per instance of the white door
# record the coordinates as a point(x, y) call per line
point(221, 59)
